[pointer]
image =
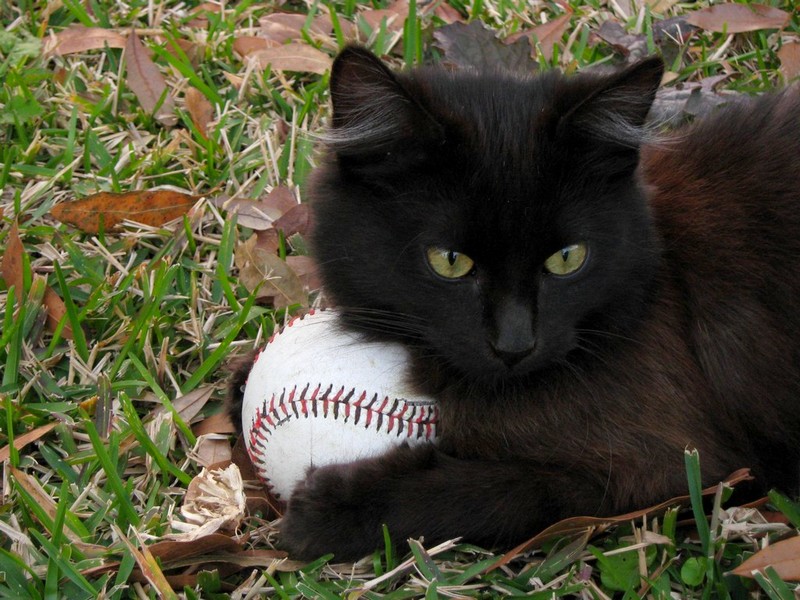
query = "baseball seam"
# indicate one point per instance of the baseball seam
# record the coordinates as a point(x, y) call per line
point(403, 418)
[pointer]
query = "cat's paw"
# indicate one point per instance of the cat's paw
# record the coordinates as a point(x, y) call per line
point(330, 512)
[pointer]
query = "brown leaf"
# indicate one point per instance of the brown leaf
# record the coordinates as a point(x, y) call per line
point(78, 38)
point(262, 270)
point(783, 556)
point(737, 18)
point(474, 46)
point(200, 109)
point(148, 566)
point(11, 269)
point(395, 15)
point(147, 82)
point(189, 405)
point(170, 552)
point(252, 213)
point(292, 57)
point(296, 220)
point(281, 198)
point(153, 208)
point(218, 423)
point(247, 44)
point(212, 449)
point(20, 441)
point(546, 35)
point(448, 14)
point(282, 27)
point(306, 269)
point(192, 50)
point(595, 525)
point(789, 55)
point(627, 44)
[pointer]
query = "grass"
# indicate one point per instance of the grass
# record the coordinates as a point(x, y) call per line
point(155, 311)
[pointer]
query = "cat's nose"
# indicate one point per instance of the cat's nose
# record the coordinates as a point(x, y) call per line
point(512, 357)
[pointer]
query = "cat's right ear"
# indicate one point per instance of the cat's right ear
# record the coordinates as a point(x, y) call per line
point(373, 113)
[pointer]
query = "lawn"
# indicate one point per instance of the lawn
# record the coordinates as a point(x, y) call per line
point(153, 156)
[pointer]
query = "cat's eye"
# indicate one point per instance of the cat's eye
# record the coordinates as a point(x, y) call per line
point(567, 260)
point(448, 263)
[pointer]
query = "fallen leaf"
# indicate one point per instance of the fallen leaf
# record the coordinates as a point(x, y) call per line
point(200, 109)
point(282, 27)
point(11, 270)
point(627, 44)
point(475, 46)
point(78, 38)
point(20, 441)
point(266, 272)
point(147, 565)
point(448, 14)
point(211, 449)
point(218, 423)
point(11, 266)
point(292, 57)
point(545, 35)
point(171, 551)
point(41, 497)
point(296, 220)
point(214, 500)
point(789, 55)
point(192, 50)
point(146, 81)
point(783, 556)
point(245, 45)
point(738, 18)
point(395, 15)
point(596, 525)
point(189, 405)
point(306, 269)
point(253, 214)
point(153, 208)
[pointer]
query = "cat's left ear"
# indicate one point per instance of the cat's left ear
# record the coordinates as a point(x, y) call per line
point(373, 112)
point(616, 109)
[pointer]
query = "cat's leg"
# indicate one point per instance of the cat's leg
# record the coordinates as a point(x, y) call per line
point(422, 492)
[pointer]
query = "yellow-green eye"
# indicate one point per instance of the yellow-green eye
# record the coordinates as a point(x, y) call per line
point(449, 264)
point(567, 260)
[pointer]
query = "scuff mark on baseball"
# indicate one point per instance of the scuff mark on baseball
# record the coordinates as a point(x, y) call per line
point(318, 395)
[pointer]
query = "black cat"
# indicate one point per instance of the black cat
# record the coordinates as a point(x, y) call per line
point(584, 300)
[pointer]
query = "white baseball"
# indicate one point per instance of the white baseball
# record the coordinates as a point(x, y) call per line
point(318, 394)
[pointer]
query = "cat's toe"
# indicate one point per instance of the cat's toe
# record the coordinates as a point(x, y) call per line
point(327, 514)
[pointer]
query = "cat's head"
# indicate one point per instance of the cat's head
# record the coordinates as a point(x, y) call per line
point(496, 224)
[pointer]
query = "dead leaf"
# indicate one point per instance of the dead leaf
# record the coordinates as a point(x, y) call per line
point(200, 109)
point(633, 46)
point(189, 405)
point(192, 50)
point(306, 269)
point(292, 57)
point(171, 551)
point(448, 14)
point(395, 15)
point(296, 220)
point(148, 565)
point(11, 266)
point(153, 208)
point(247, 44)
point(789, 55)
point(265, 271)
point(146, 81)
point(212, 449)
point(738, 18)
point(78, 38)
point(11, 270)
point(20, 441)
point(596, 525)
point(253, 214)
point(545, 35)
point(282, 27)
point(214, 500)
point(783, 556)
point(218, 423)
point(475, 46)
point(41, 497)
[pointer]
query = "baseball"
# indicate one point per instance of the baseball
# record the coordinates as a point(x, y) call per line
point(318, 394)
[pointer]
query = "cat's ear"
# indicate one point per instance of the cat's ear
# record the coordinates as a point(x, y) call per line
point(372, 110)
point(616, 109)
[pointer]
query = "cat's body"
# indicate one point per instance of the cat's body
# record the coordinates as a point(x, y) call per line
point(560, 393)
